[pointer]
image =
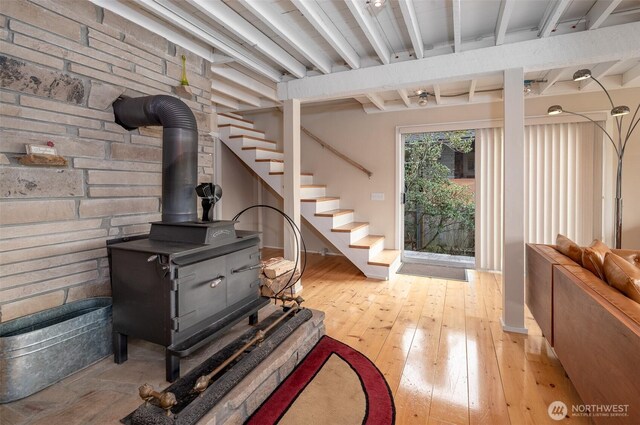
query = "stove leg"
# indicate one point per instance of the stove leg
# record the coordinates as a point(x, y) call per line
point(253, 319)
point(172, 367)
point(119, 347)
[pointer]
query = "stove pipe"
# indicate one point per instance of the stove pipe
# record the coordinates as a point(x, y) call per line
point(179, 149)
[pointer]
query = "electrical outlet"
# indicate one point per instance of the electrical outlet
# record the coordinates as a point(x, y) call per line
point(377, 196)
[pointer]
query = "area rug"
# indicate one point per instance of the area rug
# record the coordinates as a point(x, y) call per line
point(439, 272)
point(334, 384)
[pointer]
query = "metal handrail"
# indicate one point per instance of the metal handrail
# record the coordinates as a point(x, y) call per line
point(334, 150)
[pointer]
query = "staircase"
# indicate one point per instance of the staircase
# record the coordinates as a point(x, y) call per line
point(323, 212)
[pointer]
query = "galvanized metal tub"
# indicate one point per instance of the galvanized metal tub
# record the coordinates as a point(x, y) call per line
point(41, 349)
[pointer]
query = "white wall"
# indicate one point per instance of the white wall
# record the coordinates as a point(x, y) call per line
point(370, 140)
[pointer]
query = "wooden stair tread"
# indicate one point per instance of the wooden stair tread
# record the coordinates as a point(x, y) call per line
point(367, 241)
point(350, 227)
point(240, 127)
point(254, 148)
point(269, 160)
point(311, 186)
point(320, 199)
point(282, 172)
point(385, 258)
point(332, 213)
point(235, 118)
point(241, 136)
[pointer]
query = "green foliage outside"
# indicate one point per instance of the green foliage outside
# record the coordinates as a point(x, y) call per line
point(439, 214)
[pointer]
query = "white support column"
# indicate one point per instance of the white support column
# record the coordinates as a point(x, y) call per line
point(291, 192)
point(513, 203)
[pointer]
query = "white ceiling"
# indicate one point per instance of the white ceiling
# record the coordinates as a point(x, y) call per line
point(272, 41)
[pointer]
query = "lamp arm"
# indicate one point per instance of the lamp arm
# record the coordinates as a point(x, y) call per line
point(618, 120)
point(601, 128)
point(631, 128)
point(605, 90)
point(631, 124)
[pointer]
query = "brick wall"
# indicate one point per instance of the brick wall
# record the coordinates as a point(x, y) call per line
point(62, 63)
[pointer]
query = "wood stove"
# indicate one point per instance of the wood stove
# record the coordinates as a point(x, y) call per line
point(188, 280)
point(173, 289)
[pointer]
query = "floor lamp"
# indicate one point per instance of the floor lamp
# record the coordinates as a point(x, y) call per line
point(618, 112)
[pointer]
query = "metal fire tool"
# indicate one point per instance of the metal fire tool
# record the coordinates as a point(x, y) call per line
point(166, 400)
point(203, 382)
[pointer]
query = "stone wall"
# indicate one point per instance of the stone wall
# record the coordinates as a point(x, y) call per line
point(62, 63)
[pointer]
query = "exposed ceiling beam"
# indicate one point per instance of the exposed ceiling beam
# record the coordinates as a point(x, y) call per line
point(631, 75)
point(506, 7)
point(562, 51)
point(376, 100)
point(298, 40)
point(321, 22)
point(404, 95)
point(227, 17)
point(144, 21)
point(550, 20)
point(411, 21)
point(457, 26)
point(552, 77)
point(436, 91)
point(367, 25)
point(235, 92)
point(472, 89)
point(244, 80)
point(225, 101)
point(192, 25)
point(600, 11)
point(598, 71)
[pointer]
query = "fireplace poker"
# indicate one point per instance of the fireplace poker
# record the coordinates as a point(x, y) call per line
point(203, 382)
point(166, 400)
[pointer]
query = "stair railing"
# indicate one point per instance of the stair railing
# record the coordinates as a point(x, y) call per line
point(334, 151)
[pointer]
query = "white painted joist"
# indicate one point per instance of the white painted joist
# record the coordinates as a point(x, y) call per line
point(631, 75)
point(506, 7)
point(300, 41)
point(550, 20)
point(227, 17)
point(156, 27)
point(367, 25)
point(552, 77)
point(562, 51)
point(376, 100)
point(411, 22)
point(600, 11)
point(472, 89)
point(404, 95)
point(223, 100)
point(598, 71)
point(245, 80)
point(457, 25)
point(235, 92)
point(192, 25)
point(321, 22)
point(397, 106)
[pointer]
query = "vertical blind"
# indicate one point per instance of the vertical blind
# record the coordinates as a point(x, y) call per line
point(562, 187)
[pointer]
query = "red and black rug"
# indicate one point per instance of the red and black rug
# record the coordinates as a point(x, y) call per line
point(334, 384)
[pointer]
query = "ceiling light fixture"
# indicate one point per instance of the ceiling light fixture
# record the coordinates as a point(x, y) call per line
point(420, 91)
point(378, 3)
point(618, 113)
point(423, 98)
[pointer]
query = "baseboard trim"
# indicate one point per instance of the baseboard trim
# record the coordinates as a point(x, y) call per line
point(513, 329)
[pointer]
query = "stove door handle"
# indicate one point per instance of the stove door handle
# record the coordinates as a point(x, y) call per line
point(215, 282)
point(247, 268)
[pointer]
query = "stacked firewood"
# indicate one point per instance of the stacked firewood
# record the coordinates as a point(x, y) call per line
point(276, 275)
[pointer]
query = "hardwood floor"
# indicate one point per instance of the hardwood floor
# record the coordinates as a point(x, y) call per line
point(440, 345)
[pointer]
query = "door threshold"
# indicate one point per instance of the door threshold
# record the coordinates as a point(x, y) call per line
point(455, 261)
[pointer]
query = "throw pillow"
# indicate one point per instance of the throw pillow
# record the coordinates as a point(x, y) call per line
point(631, 255)
point(622, 275)
point(593, 258)
point(566, 246)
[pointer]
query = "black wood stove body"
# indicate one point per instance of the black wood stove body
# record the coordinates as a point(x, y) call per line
point(182, 286)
